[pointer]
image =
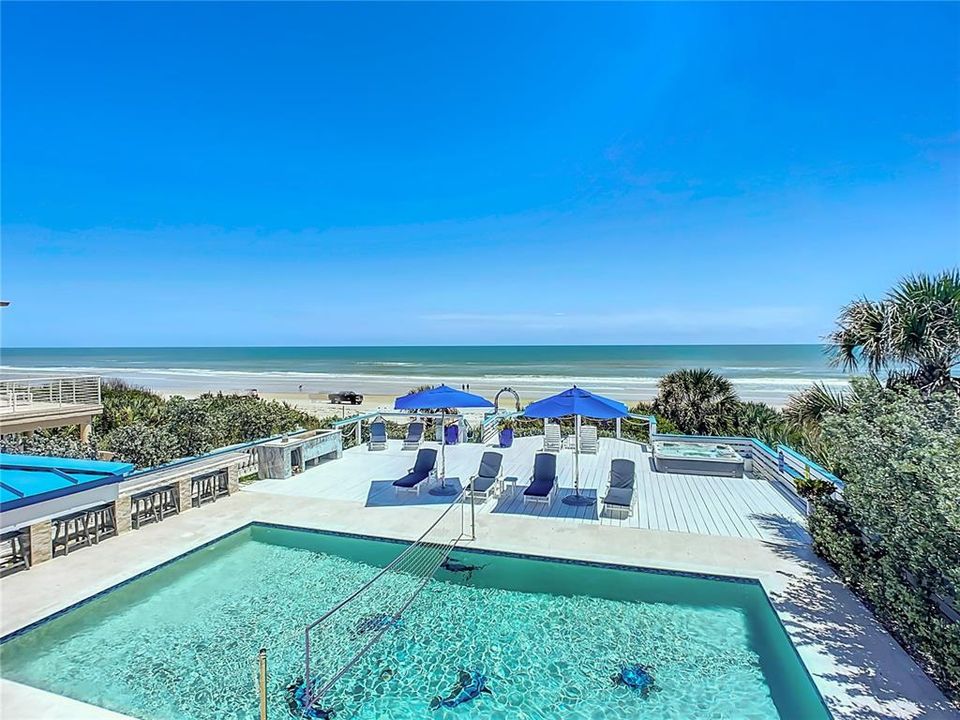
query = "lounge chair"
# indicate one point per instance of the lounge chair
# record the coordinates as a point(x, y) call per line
point(623, 480)
point(486, 482)
point(551, 438)
point(543, 483)
point(423, 468)
point(588, 439)
point(378, 436)
point(414, 436)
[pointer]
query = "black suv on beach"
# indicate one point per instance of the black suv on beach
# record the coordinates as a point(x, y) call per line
point(346, 397)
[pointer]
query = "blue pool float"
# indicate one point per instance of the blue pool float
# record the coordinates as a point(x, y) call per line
point(297, 703)
point(469, 687)
point(636, 677)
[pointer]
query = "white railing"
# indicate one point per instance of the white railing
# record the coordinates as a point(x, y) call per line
point(782, 465)
point(49, 393)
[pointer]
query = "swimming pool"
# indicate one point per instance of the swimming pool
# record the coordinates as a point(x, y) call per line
point(182, 641)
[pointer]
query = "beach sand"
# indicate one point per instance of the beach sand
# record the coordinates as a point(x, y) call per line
point(319, 405)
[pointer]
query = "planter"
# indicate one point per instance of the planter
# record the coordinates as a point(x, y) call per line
point(506, 437)
point(451, 434)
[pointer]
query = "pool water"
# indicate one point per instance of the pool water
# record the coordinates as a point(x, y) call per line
point(703, 451)
point(182, 642)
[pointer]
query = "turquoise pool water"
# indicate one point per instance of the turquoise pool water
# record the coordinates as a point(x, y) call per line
point(182, 642)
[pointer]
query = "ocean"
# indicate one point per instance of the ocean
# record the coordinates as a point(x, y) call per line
point(768, 373)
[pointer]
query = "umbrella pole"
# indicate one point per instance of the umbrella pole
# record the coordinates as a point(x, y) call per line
point(576, 461)
point(577, 499)
point(443, 452)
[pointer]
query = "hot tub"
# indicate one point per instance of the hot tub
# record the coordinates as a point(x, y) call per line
point(702, 458)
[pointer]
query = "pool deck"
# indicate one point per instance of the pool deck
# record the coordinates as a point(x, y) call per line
point(860, 671)
point(720, 506)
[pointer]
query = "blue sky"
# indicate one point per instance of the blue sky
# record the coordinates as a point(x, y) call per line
point(218, 174)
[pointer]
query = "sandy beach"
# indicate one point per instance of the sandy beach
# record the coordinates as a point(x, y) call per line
point(321, 406)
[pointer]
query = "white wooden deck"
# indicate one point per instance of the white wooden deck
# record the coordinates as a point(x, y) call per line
point(732, 507)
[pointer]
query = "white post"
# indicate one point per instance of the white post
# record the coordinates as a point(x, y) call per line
point(443, 451)
point(473, 517)
point(618, 428)
point(359, 431)
point(576, 456)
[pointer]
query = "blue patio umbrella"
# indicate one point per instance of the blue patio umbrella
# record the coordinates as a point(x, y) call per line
point(442, 396)
point(579, 403)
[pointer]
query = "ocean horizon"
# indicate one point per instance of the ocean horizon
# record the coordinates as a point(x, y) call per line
point(767, 373)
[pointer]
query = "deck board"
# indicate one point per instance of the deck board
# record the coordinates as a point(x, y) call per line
point(733, 507)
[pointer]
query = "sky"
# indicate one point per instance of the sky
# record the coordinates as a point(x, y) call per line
point(307, 174)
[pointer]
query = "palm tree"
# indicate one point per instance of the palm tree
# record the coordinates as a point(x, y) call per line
point(913, 333)
point(810, 405)
point(697, 401)
point(759, 420)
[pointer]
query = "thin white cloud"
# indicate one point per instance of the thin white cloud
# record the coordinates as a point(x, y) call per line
point(677, 319)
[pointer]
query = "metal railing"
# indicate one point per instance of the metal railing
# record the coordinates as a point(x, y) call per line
point(249, 449)
point(348, 630)
point(36, 394)
point(782, 465)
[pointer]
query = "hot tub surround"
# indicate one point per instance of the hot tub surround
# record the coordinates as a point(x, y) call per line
point(697, 458)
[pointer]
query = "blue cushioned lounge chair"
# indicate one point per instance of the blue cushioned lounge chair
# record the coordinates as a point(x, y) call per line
point(623, 480)
point(543, 484)
point(378, 436)
point(422, 469)
point(486, 482)
point(414, 436)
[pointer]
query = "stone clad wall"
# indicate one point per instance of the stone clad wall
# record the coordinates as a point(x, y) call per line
point(41, 542)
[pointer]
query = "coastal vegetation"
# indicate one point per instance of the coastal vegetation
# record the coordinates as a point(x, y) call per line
point(893, 535)
point(141, 427)
point(698, 401)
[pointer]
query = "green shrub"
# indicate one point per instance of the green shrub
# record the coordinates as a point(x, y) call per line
point(895, 536)
point(908, 612)
point(58, 442)
point(193, 426)
point(143, 445)
point(125, 404)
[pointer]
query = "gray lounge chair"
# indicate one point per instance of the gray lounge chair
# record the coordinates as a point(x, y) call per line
point(486, 483)
point(378, 436)
point(543, 483)
point(414, 436)
point(423, 469)
point(623, 480)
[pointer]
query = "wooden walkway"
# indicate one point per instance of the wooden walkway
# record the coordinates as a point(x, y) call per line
point(732, 507)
